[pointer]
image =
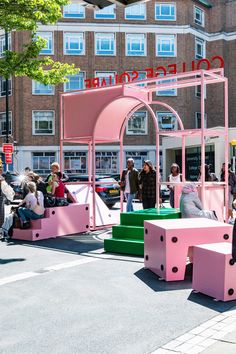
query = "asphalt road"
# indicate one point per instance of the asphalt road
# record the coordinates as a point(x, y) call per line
point(66, 296)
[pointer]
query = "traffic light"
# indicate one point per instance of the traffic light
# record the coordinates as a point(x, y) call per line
point(100, 4)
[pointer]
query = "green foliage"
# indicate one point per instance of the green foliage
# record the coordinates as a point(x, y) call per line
point(24, 15)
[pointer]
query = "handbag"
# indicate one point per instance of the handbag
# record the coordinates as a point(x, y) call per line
point(7, 190)
point(61, 202)
point(49, 201)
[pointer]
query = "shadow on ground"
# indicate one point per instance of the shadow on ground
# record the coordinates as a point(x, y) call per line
point(11, 260)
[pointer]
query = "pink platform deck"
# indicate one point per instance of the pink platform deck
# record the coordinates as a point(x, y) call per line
point(58, 221)
point(214, 271)
point(168, 242)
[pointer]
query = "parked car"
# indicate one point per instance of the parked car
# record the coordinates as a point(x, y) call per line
point(14, 180)
point(109, 192)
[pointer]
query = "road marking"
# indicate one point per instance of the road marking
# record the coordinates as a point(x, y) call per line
point(27, 275)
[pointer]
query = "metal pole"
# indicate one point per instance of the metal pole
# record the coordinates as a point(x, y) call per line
point(7, 98)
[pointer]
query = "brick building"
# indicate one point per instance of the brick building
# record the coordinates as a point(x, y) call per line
point(107, 43)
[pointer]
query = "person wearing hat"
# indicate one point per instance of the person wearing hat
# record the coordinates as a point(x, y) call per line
point(129, 183)
point(147, 184)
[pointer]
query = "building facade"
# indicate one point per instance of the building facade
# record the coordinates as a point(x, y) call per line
point(137, 40)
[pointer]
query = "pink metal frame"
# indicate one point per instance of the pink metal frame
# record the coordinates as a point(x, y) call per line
point(143, 97)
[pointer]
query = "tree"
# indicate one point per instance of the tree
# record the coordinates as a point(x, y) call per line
point(25, 15)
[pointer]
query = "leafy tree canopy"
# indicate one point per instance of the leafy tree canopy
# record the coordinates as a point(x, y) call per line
point(25, 15)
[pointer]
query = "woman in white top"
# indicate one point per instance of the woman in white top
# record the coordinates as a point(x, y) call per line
point(174, 177)
point(34, 209)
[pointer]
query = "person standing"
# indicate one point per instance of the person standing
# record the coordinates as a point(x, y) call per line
point(174, 177)
point(129, 183)
point(147, 183)
point(232, 188)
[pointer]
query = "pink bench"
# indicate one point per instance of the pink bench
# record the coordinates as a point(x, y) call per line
point(58, 221)
point(167, 243)
point(214, 271)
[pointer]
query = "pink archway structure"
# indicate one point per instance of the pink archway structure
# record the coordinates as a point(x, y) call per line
point(99, 115)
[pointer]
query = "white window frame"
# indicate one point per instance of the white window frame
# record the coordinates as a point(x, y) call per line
point(107, 13)
point(108, 155)
point(128, 41)
point(34, 89)
point(162, 4)
point(162, 38)
point(69, 12)
point(198, 92)
point(75, 167)
point(2, 91)
point(47, 36)
point(2, 44)
point(200, 22)
point(138, 156)
point(130, 12)
point(202, 42)
point(105, 75)
point(197, 117)
point(3, 121)
point(135, 115)
point(72, 37)
point(172, 115)
point(66, 84)
point(98, 36)
point(139, 78)
point(34, 122)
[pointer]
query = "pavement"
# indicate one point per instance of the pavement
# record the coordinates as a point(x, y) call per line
point(66, 296)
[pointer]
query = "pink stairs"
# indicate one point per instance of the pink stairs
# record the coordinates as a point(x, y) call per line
point(58, 221)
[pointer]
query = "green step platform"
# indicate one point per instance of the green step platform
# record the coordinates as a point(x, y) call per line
point(128, 237)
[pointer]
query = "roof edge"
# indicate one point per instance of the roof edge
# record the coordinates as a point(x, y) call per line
point(205, 3)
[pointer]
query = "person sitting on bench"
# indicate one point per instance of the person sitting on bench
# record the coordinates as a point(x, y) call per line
point(191, 205)
point(34, 209)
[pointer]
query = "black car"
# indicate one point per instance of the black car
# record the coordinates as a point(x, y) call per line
point(14, 180)
point(108, 191)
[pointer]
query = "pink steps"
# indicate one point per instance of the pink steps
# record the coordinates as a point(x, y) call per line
point(167, 243)
point(58, 221)
point(214, 271)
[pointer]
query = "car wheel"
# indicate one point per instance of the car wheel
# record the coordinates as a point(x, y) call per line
point(110, 205)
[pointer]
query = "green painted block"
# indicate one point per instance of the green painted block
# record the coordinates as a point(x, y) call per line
point(127, 246)
point(137, 218)
point(124, 231)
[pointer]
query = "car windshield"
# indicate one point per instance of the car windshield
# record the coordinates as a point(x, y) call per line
point(107, 180)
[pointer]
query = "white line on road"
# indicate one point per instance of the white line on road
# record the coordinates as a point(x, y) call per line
point(27, 275)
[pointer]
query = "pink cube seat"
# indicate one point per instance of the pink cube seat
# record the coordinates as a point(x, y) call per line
point(167, 243)
point(214, 271)
point(58, 221)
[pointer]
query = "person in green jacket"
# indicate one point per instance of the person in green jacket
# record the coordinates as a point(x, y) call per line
point(129, 183)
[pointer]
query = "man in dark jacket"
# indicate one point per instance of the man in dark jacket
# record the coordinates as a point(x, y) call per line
point(129, 183)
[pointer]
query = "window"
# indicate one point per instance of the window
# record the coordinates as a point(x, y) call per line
point(165, 12)
point(105, 44)
point(75, 162)
point(200, 48)
point(3, 86)
point(166, 121)
point(41, 89)
point(138, 156)
point(74, 10)
point(199, 16)
point(3, 44)
point(135, 44)
point(43, 122)
point(135, 12)
point(76, 82)
point(3, 123)
point(106, 13)
point(48, 49)
point(74, 43)
point(137, 124)
point(167, 91)
point(106, 78)
point(142, 75)
point(198, 120)
point(166, 45)
point(106, 162)
point(42, 162)
point(198, 90)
